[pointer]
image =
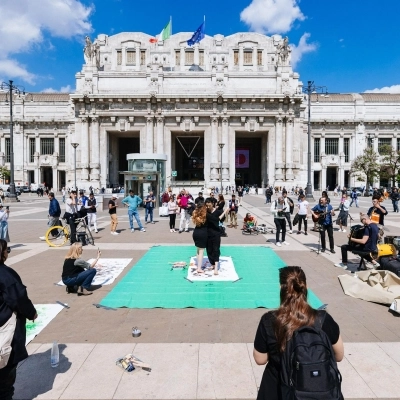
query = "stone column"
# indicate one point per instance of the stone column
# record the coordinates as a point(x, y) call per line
point(323, 177)
point(225, 149)
point(95, 151)
point(160, 135)
point(149, 135)
point(340, 175)
point(214, 150)
point(103, 158)
point(196, 54)
point(241, 57)
point(84, 149)
point(278, 149)
point(289, 149)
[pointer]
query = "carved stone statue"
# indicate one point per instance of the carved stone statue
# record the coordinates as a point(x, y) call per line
point(91, 52)
point(283, 51)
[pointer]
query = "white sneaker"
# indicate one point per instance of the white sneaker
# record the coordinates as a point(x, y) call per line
point(341, 265)
point(278, 244)
point(132, 230)
point(143, 230)
point(290, 231)
point(116, 233)
point(286, 243)
point(96, 231)
point(42, 238)
point(343, 230)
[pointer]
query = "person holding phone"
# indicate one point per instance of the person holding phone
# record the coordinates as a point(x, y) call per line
point(78, 274)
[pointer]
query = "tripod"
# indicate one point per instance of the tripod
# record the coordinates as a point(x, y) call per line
point(319, 226)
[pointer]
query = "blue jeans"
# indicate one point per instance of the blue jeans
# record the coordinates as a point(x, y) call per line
point(149, 211)
point(354, 201)
point(395, 205)
point(84, 279)
point(134, 213)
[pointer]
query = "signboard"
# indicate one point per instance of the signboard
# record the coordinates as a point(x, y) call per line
point(242, 158)
point(174, 173)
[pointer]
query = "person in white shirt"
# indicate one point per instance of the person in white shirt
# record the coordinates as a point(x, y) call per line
point(302, 206)
point(63, 194)
point(71, 213)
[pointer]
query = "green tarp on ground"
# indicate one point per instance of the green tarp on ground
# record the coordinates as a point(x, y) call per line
point(151, 283)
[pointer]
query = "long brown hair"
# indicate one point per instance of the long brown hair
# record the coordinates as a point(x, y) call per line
point(294, 311)
point(199, 215)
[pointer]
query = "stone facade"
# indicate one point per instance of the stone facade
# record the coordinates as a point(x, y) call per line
point(167, 98)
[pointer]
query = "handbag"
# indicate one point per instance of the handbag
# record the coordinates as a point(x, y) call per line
point(6, 337)
point(296, 219)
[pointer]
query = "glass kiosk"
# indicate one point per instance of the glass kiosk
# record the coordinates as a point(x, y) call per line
point(146, 172)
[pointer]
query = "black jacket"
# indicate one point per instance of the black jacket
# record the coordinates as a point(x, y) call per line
point(14, 297)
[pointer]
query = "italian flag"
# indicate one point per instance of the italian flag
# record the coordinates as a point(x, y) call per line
point(164, 35)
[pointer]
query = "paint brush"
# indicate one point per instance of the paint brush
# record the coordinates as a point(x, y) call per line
point(65, 305)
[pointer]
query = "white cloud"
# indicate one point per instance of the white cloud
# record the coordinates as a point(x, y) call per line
point(386, 89)
point(24, 24)
point(10, 68)
point(64, 89)
point(271, 16)
point(302, 48)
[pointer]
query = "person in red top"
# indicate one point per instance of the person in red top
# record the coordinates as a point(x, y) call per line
point(165, 197)
point(249, 221)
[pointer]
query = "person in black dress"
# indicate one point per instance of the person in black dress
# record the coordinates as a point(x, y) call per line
point(276, 329)
point(199, 218)
point(13, 299)
point(214, 234)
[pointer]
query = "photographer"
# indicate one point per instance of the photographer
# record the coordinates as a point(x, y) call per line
point(278, 210)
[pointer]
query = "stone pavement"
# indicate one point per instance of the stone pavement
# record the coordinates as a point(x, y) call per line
point(194, 353)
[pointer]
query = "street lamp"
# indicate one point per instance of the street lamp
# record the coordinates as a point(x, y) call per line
point(309, 89)
point(75, 145)
point(370, 137)
point(11, 88)
point(221, 145)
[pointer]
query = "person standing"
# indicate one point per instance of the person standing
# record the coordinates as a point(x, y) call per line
point(276, 329)
point(213, 235)
point(278, 210)
point(233, 209)
point(133, 201)
point(15, 308)
point(289, 209)
point(71, 213)
point(63, 192)
point(377, 212)
point(354, 197)
point(343, 213)
point(395, 196)
point(165, 198)
point(112, 210)
point(4, 214)
point(324, 212)
point(150, 203)
point(240, 194)
point(183, 202)
point(173, 209)
point(302, 207)
point(91, 209)
point(200, 235)
point(199, 198)
point(54, 213)
point(268, 194)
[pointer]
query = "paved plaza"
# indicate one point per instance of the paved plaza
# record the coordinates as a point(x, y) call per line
point(194, 353)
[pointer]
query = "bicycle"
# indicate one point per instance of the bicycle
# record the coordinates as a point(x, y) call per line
point(58, 235)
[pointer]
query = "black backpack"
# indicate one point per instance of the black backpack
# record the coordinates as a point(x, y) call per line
point(308, 366)
point(291, 206)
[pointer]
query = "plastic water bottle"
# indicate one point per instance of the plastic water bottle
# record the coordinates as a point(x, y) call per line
point(55, 355)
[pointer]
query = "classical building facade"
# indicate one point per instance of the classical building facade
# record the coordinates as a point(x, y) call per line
point(228, 108)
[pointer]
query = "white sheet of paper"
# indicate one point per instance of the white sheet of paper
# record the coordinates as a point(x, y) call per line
point(46, 312)
point(226, 272)
point(111, 268)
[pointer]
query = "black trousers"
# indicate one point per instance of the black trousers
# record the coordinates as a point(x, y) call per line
point(8, 375)
point(280, 224)
point(329, 229)
point(172, 218)
point(72, 227)
point(213, 249)
point(303, 218)
point(287, 216)
point(357, 249)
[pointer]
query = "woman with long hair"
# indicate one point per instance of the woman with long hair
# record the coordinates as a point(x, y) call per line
point(276, 329)
point(221, 202)
point(78, 274)
point(199, 218)
point(173, 209)
point(15, 308)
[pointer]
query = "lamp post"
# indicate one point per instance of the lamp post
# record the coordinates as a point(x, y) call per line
point(11, 89)
point(221, 145)
point(309, 89)
point(75, 145)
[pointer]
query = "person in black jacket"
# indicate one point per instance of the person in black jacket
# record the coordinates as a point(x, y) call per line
point(213, 217)
point(13, 298)
point(395, 196)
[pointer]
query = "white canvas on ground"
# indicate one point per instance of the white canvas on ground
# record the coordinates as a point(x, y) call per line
point(111, 268)
point(226, 271)
point(46, 312)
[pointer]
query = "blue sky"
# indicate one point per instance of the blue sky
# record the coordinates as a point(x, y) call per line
point(346, 45)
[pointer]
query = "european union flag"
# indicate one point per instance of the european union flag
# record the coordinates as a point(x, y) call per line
point(198, 35)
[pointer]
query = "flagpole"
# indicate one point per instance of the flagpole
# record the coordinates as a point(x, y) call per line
point(170, 20)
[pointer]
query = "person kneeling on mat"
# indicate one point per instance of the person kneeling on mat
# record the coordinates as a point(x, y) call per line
point(78, 274)
point(363, 247)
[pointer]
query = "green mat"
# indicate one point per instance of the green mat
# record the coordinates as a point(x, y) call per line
point(151, 283)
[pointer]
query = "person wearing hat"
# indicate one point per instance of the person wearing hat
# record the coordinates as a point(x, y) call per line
point(112, 210)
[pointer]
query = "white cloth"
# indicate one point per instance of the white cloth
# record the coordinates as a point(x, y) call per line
point(92, 219)
point(303, 207)
point(185, 217)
